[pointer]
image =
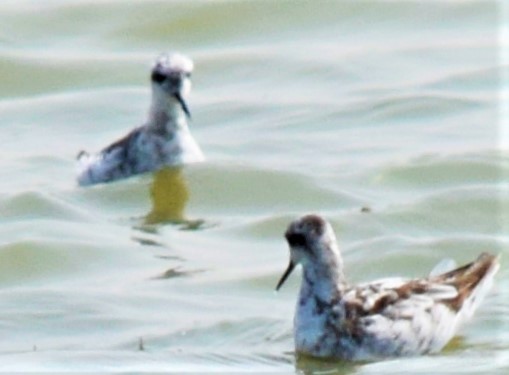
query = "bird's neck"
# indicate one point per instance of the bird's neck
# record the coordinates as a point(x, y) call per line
point(166, 115)
point(325, 279)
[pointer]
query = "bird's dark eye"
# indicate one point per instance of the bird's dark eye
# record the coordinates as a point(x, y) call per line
point(158, 77)
point(187, 74)
point(296, 239)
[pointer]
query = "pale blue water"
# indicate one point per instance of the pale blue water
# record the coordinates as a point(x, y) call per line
point(322, 107)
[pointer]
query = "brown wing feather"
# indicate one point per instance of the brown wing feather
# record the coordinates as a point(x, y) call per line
point(466, 278)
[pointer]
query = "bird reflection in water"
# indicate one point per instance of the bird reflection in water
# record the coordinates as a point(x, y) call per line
point(169, 194)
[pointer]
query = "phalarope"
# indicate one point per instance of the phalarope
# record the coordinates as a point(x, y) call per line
point(385, 318)
point(164, 139)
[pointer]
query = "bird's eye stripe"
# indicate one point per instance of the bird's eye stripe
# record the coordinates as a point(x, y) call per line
point(296, 239)
point(158, 77)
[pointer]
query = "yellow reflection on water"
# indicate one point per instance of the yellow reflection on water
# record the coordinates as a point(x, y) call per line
point(311, 365)
point(169, 195)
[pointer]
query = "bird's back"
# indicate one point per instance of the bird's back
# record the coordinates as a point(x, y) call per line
point(390, 318)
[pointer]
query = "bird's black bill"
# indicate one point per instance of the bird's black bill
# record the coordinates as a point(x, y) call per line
point(183, 104)
point(287, 273)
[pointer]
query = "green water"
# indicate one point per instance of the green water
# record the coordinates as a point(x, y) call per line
point(326, 107)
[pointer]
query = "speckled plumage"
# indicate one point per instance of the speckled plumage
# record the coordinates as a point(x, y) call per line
point(163, 140)
point(385, 318)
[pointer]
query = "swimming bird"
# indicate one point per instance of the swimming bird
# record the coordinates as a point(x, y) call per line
point(382, 319)
point(163, 140)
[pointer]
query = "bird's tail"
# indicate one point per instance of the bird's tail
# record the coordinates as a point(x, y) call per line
point(84, 162)
point(473, 282)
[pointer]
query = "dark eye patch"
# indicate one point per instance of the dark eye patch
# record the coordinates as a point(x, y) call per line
point(296, 239)
point(158, 77)
point(187, 74)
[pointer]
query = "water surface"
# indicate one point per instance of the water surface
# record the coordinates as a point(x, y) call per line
point(327, 107)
